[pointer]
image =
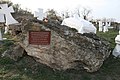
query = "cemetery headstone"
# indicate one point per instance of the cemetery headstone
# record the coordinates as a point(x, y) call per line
point(39, 14)
point(109, 24)
point(0, 35)
point(7, 14)
point(6, 29)
point(80, 24)
point(116, 51)
point(6, 17)
point(105, 29)
point(100, 26)
point(2, 20)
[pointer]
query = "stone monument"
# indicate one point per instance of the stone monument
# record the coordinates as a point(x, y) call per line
point(60, 51)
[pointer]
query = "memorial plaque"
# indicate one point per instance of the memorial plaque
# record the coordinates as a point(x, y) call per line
point(39, 37)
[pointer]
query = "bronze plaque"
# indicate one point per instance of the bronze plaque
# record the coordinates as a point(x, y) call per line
point(39, 37)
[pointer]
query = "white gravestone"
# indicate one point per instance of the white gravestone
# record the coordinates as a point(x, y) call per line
point(1, 35)
point(80, 24)
point(100, 26)
point(39, 14)
point(5, 15)
point(2, 19)
point(6, 29)
point(109, 24)
point(116, 51)
point(105, 29)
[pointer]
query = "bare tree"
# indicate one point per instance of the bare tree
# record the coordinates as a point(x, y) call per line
point(65, 14)
point(6, 1)
point(51, 14)
point(85, 13)
point(77, 10)
point(16, 7)
point(81, 12)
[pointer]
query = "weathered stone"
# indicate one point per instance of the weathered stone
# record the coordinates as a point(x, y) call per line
point(67, 49)
point(14, 52)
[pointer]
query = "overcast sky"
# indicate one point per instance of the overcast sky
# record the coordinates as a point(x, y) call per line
point(100, 8)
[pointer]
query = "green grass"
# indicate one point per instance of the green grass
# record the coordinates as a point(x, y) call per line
point(109, 36)
point(28, 69)
point(4, 45)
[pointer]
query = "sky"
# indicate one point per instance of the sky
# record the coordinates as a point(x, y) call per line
point(99, 8)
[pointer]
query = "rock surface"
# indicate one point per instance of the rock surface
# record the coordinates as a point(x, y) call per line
point(68, 49)
point(14, 52)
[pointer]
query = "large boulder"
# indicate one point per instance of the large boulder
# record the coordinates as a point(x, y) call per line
point(68, 48)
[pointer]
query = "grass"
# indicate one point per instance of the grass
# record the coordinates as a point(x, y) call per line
point(109, 36)
point(28, 69)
